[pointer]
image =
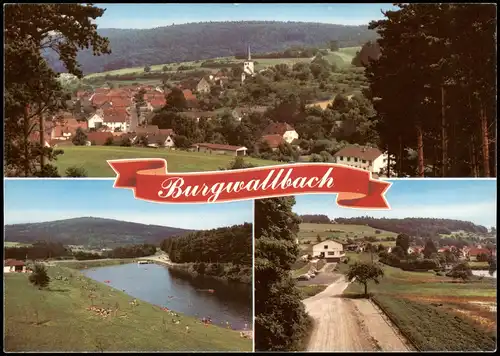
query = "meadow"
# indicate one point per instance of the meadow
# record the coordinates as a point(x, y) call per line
point(340, 232)
point(93, 159)
point(60, 318)
point(342, 58)
point(436, 313)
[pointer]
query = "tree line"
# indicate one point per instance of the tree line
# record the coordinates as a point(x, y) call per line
point(39, 250)
point(434, 89)
point(422, 227)
point(222, 245)
point(315, 219)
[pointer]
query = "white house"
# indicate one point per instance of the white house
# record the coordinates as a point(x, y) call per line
point(96, 120)
point(283, 129)
point(331, 250)
point(367, 158)
point(11, 265)
point(165, 138)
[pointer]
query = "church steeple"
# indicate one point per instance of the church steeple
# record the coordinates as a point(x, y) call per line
point(249, 54)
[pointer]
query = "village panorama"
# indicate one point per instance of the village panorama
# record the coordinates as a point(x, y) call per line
point(223, 95)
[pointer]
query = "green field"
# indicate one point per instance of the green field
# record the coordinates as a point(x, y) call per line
point(15, 244)
point(58, 319)
point(93, 159)
point(340, 232)
point(342, 58)
point(435, 312)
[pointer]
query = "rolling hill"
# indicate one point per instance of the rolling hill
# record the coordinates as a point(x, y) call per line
point(197, 41)
point(91, 232)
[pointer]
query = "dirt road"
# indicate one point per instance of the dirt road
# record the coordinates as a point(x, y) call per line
point(339, 325)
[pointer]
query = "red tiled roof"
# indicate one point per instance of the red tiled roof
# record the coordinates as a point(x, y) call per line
point(12, 263)
point(216, 146)
point(273, 140)
point(478, 251)
point(158, 102)
point(167, 132)
point(188, 94)
point(150, 129)
point(99, 138)
point(366, 153)
point(278, 128)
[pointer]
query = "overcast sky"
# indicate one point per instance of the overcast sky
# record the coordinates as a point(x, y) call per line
point(143, 16)
point(471, 200)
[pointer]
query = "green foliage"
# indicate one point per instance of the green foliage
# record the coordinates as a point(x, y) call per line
point(239, 163)
point(429, 248)
point(223, 245)
point(80, 138)
point(281, 322)
point(39, 276)
point(451, 73)
point(364, 272)
point(147, 68)
point(461, 270)
point(76, 172)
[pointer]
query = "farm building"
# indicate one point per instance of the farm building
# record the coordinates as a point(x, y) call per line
point(220, 149)
point(332, 251)
point(12, 265)
point(367, 158)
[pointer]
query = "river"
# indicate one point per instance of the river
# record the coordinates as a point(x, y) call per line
point(229, 303)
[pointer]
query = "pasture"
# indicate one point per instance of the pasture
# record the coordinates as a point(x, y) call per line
point(341, 58)
point(340, 232)
point(64, 318)
point(93, 159)
point(435, 312)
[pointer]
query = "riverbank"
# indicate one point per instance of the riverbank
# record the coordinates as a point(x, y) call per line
point(68, 316)
point(83, 264)
point(226, 272)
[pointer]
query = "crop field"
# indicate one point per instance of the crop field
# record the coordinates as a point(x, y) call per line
point(435, 312)
point(93, 159)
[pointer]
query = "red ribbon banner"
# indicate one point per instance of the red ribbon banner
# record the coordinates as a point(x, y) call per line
point(150, 181)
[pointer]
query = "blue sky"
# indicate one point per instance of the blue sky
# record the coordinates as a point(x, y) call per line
point(47, 200)
point(156, 15)
point(471, 200)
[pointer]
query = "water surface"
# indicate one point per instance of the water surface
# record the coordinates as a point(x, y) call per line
point(230, 303)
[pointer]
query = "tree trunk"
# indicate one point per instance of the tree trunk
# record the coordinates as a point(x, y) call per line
point(366, 289)
point(473, 158)
point(26, 142)
point(485, 141)
point(400, 168)
point(420, 151)
point(388, 162)
point(444, 138)
point(42, 142)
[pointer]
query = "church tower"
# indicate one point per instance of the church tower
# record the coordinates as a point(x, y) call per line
point(248, 66)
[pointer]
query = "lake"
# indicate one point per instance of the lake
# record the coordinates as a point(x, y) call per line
point(484, 274)
point(178, 291)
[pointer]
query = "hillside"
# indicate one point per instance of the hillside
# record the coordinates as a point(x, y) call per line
point(422, 227)
point(90, 231)
point(197, 41)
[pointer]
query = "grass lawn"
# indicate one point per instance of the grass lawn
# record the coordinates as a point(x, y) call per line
point(58, 319)
point(93, 159)
point(435, 312)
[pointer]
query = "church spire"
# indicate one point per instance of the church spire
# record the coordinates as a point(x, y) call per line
point(249, 55)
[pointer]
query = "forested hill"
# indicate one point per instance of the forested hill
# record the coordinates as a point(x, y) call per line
point(92, 232)
point(423, 227)
point(196, 41)
point(223, 245)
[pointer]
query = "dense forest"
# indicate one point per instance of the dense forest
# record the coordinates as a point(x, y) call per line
point(422, 227)
point(224, 253)
point(90, 232)
point(198, 41)
point(434, 90)
point(39, 250)
point(223, 245)
point(315, 219)
point(130, 251)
